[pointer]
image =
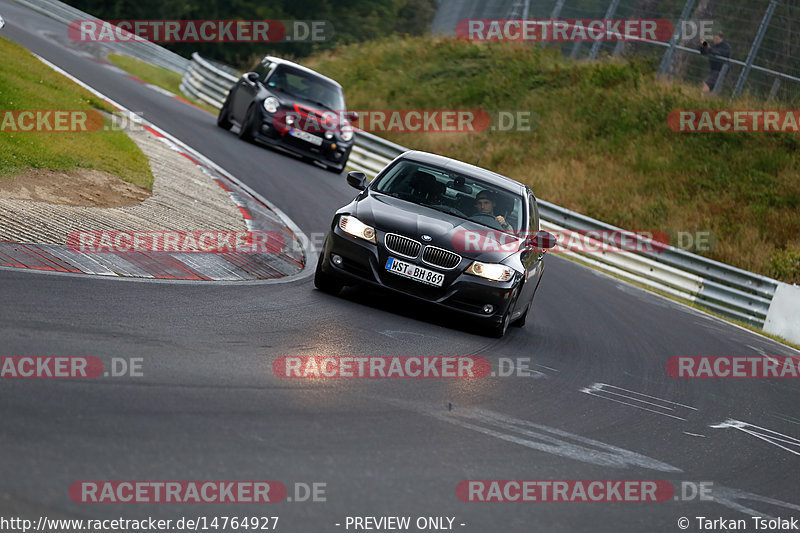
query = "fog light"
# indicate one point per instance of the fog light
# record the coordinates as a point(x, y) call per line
point(329, 135)
point(337, 260)
point(488, 309)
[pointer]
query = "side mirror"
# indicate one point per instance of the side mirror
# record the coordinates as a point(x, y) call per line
point(543, 240)
point(252, 77)
point(351, 116)
point(357, 180)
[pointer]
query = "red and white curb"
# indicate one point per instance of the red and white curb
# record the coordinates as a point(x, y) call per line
point(258, 213)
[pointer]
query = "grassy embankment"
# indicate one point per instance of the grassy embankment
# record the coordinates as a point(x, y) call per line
point(27, 84)
point(601, 145)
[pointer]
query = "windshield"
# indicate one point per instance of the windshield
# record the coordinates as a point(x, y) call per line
point(453, 193)
point(305, 85)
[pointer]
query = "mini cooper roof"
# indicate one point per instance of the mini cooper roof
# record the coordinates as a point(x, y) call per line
point(279, 61)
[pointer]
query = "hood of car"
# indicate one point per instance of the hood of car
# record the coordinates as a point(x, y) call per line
point(466, 238)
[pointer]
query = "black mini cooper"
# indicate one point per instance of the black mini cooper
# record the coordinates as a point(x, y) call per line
point(442, 231)
point(288, 106)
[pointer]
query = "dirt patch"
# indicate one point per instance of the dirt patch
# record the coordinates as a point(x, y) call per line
point(83, 187)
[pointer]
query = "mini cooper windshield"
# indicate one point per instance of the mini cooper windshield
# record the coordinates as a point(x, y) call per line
point(453, 193)
point(299, 84)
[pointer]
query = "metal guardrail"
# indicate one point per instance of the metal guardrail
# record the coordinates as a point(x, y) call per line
point(207, 81)
point(140, 49)
point(726, 290)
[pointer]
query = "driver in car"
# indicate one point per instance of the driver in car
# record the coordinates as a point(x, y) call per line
point(485, 205)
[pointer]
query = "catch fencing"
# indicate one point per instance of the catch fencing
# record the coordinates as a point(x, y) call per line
point(762, 34)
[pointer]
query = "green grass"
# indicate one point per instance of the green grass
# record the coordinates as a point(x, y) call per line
point(158, 76)
point(27, 84)
point(601, 145)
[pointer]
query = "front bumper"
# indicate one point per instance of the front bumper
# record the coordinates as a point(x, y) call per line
point(273, 132)
point(364, 262)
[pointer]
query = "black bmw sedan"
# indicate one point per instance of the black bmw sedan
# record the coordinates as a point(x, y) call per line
point(442, 231)
point(288, 106)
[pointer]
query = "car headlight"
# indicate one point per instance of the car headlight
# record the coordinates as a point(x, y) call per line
point(347, 132)
point(356, 228)
point(271, 104)
point(491, 271)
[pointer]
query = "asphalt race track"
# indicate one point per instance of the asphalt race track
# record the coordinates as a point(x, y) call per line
point(210, 408)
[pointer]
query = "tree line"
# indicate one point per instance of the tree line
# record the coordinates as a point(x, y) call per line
point(352, 21)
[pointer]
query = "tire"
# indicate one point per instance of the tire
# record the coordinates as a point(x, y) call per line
point(246, 130)
point(500, 329)
point(224, 117)
point(325, 282)
point(520, 322)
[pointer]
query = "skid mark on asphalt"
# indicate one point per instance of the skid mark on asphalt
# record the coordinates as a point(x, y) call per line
point(785, 418)
point(536, 436)
point(569, 445)
point(399, 334)
point(639, 400)
point(784, 442)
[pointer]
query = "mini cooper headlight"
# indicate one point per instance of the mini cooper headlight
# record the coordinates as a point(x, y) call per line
point(356, 228)
point(347, 132)
point(271, 104)
point(491, 271)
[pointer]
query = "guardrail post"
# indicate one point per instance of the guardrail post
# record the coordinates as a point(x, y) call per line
point(718, 84)
point(754, 49)
point(666, 61)
point(773, 92)
point(612, 8)
point(557, 9)
point(525, 4)
point(575, 49)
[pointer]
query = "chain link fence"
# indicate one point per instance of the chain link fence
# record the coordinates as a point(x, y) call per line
point(764, 37)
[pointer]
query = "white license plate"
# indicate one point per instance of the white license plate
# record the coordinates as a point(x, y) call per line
point(300, 134)
point(417, 273)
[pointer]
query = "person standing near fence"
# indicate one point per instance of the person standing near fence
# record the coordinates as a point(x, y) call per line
point(718, 54)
